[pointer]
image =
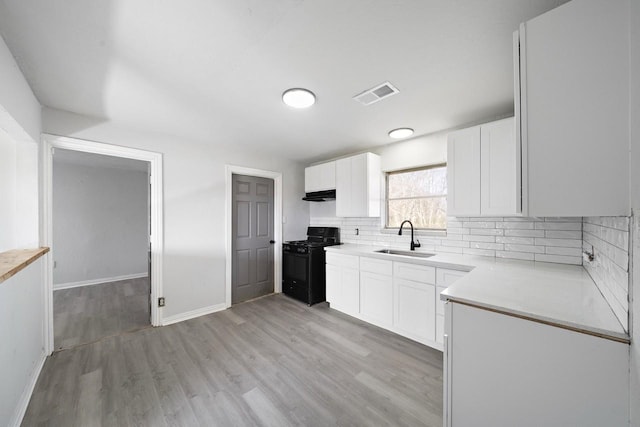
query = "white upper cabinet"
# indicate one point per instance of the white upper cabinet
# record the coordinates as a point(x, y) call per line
point(500, 171)
point(358, 186)
point(463, 172)
point(483, 170)
point(320, 177)
point(574, 106)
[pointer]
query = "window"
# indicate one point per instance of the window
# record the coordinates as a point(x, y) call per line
point(419, 195)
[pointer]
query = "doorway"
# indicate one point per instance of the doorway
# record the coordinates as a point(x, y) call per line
point(155, 248)
point(276, 221)
point(100, 247)
point(252, 234)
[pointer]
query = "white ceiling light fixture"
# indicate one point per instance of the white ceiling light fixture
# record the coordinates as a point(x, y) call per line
point(401, 133)
point(298, 98)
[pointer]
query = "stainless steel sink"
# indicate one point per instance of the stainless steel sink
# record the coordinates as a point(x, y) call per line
point(405, 253)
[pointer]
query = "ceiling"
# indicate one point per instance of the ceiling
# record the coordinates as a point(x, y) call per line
point(213, 71)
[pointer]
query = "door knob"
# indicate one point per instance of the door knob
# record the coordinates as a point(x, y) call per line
point(272, 241)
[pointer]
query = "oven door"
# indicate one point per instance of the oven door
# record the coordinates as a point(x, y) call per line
point(295, 275)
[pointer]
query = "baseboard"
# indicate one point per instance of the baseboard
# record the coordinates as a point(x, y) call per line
point(193, 314)
point(98, 281)
point(23, 403)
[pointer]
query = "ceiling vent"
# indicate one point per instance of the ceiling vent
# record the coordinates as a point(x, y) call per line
point(375, 94)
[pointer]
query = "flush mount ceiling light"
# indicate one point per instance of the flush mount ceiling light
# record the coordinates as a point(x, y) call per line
point(298, 98)
point(401, 133)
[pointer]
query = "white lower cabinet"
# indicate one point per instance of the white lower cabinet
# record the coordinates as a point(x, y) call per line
point(502, 370)
point(376, 291)
point(343, 283)
point(399, 296)
point(415, 299)
point(412, 315)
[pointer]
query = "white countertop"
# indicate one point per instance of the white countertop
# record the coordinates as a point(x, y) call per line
point(557, 294)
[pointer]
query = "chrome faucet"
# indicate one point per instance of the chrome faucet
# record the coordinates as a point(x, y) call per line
point(414, 245)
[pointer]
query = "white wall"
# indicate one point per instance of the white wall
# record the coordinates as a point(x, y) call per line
point(194, 203)
point(635, 205)
point(7, 192)
point(100, 223)
point(417, 152)
point(21, 296)
point(22, 349)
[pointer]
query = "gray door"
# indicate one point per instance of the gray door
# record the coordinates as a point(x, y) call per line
point(252, 236)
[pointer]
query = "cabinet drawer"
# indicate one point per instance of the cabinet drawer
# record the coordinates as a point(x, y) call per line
point(445, 277)
point(415, 272)
point(375, 265)
point(342, 260)
point(439, 304)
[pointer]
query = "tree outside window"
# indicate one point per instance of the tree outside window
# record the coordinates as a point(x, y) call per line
point(419, 195)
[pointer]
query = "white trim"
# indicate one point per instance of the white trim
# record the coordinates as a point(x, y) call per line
point(181, 317)
point(92, 282)
point(157, 230)
point(25, 397)
point(277, 224)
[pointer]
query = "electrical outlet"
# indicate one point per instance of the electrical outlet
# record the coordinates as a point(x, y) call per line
point(161, 302)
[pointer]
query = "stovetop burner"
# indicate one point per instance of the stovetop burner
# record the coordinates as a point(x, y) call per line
point(319, 237)
point(309, 243)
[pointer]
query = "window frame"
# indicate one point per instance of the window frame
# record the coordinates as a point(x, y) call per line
point(424, 231)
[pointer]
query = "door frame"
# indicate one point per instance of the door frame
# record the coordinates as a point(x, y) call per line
point(50, 142)
point(229, 171)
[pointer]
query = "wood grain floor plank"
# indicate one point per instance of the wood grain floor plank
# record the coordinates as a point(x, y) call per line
point(272, 361)
point(86, 314)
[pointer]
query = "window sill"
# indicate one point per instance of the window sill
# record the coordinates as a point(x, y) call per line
point(427, 233)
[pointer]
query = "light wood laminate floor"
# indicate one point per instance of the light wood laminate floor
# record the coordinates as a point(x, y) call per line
point(268, 362)
point(88, 313)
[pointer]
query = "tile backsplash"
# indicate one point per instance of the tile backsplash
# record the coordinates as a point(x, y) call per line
point(536, 239)
point(608, 237)
point(551, 239)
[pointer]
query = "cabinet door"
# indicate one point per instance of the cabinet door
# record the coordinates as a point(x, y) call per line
point(358, 186)
point(574, 68)
point(320, 177)
point(440, 328)
point(414, 313)
point(350, 294)
point(343, 187)
point(376, 299)
point(463, 172)
point(333, 281)
point(327, 174)
point(500, 169)
point(311, 179)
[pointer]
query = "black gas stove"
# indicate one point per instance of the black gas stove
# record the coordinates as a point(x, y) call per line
point(303, 269)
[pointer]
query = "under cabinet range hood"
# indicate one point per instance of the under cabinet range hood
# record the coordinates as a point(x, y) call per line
point(320, 196)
